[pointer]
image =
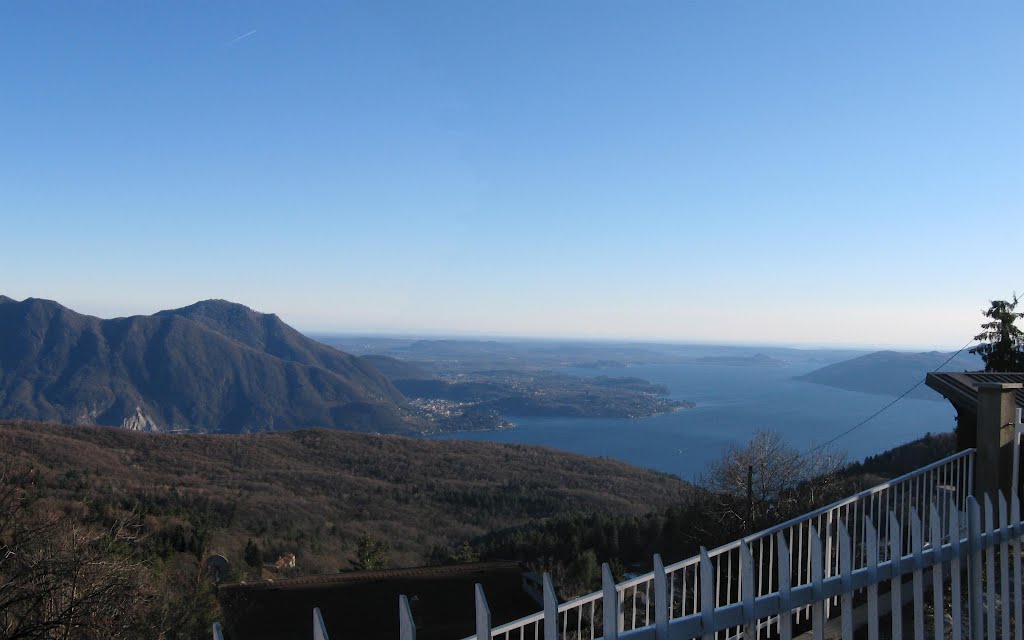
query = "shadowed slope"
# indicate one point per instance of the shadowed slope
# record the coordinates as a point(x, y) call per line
point(889, 372)
point(210, 367)
point(314, 492)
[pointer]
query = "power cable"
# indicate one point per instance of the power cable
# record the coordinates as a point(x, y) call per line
point(897, 399)
point(879, 412)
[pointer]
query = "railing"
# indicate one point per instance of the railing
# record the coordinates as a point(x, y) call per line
point(973, 607)
point(982, 567)
point(946, 482)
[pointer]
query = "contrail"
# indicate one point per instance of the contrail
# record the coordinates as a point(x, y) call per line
point(242, 37)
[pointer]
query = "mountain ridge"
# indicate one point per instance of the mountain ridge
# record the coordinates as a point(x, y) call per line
point(212, 366)
point(890, 372)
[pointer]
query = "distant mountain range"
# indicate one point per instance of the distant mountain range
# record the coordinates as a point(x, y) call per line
point(214, 366)
point(891, 372)
point(756, 360)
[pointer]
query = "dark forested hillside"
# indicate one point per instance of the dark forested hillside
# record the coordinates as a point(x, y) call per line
point(164, 503)
point(316, 492)
point(213, 366)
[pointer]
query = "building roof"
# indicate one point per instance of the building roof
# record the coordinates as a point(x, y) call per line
point(961, 389)
point(364, 604)
point(470, 569)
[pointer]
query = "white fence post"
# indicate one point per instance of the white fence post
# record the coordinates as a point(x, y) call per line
point(406, 624)
point(786, 616)
point(550, 609)
point(661, 602)
point(939, 617)
point(974, 584)
point(1018, 600)
point(747, 588)
point(610, 604)
point(896, 583)
point(319, 628)
point(872, 539)
point(846, 571)
point(707, 595)
point(990, 569)
point(817, 577)
point(917, 548)
point(955, 600)
point(1004, 565)
point(483, 614)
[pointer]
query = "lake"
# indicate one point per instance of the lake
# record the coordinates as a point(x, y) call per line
point(733, 402)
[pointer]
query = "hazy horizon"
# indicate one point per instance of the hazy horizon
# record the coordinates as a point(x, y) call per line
point(798, 173)
point(511, 337)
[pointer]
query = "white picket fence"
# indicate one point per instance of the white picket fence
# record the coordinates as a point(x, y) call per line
point(981, 565)
point(947, 483)
point(960, 577)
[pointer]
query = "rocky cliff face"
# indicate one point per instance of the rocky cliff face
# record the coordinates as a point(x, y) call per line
point(139, 421)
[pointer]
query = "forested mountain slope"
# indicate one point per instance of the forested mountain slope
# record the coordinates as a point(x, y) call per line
point(213, 366)
point(315, 492)
point(891, 372)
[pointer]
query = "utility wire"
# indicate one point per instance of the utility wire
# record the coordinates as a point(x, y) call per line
point(879, 412)
point(900, 397)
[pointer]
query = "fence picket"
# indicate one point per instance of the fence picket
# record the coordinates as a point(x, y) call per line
point(707, 596)
point(483, 614)
point(817, 577)
point(895, 584)
point(747, 587)
point(872, 551)
point(319, 628)
point(955, 602)
point(610, 628)
point(786, 616)
point(661, 603)
point(990, 570)
point(1004, 567)
point(1018, 600)
point(846, 572)
point(916, 548)
point(974, 584)
point(550, 608)
point(406, 624)
point(939, 611)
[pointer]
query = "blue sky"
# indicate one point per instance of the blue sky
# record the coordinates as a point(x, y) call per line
point(792, 172)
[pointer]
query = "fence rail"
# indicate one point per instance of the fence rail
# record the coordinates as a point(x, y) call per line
point(983, 602)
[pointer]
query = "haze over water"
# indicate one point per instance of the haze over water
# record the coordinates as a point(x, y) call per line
point(733, 403)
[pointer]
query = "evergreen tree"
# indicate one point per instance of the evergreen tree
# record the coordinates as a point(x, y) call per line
point(1002, 342)
point(370, 554)
point(253, 558)
point(465, 554)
